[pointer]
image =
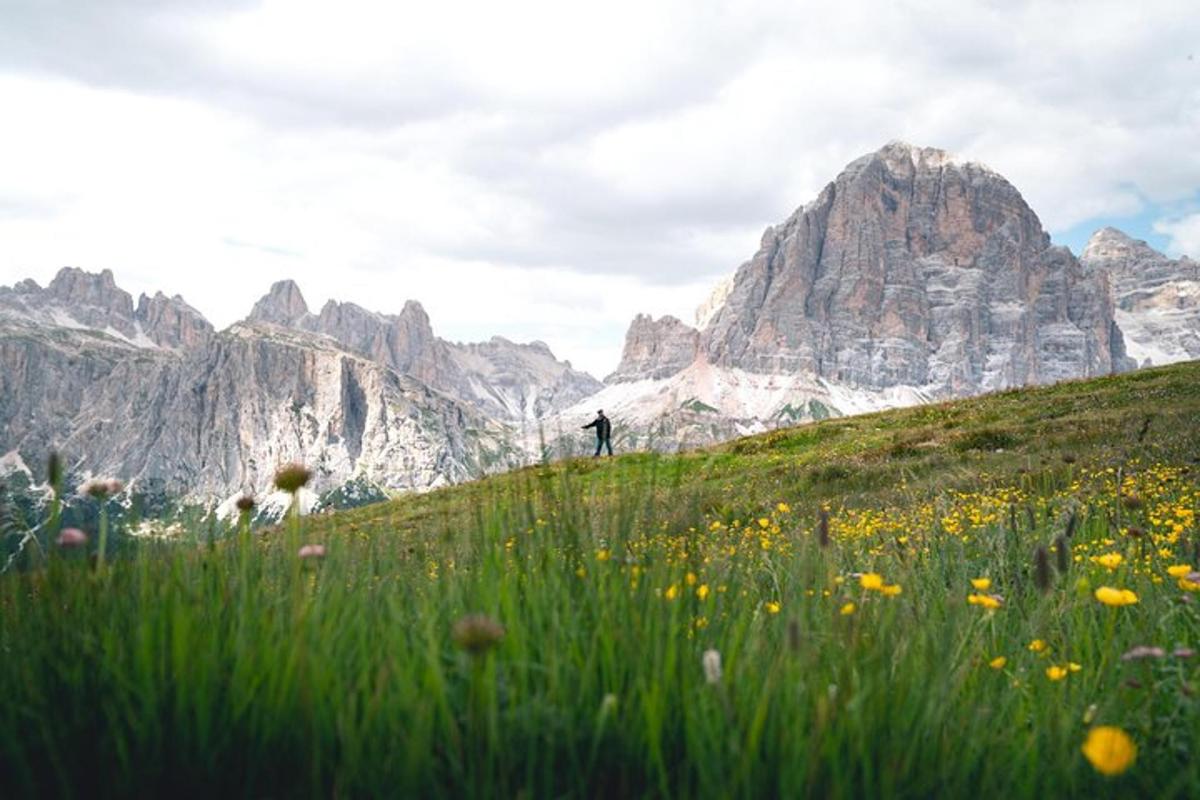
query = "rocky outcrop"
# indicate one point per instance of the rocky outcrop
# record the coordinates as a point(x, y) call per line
point(282, 305)
point(92, 302)
point(1157, 298)
point(656, 348)
point(521, 383)
point(171, 322)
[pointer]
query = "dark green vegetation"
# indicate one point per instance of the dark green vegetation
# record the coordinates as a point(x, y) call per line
point(238, 668)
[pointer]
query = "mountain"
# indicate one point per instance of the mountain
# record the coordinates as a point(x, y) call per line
point(153, 394)
point(1157, 298)
point(518, 383)
point(912, 276)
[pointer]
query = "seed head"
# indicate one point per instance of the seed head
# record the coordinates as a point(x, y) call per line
point(1062, 555)
point(793, 631)
point(100, 488)
point(54, 469)
point(71, 538)
point(1042, 578)
point(1072, 523)
point(245, 503)
point(711, 662)
point(291, 478)
point(477, 633)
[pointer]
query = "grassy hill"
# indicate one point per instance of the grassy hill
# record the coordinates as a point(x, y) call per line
point(936, 600)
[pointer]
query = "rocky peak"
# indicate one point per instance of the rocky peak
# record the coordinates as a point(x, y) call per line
point(912, 268)
point(171, 322)
point(1110, 244)
point(282, 305)
point(1157, 298)
point(656, 348)
point(92, 297)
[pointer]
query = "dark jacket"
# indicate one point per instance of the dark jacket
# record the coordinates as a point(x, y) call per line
point(602, 425)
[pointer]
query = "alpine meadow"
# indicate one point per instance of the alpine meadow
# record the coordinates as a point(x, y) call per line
point(993, 596)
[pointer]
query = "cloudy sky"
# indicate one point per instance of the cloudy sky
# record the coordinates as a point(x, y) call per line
point(547, 170)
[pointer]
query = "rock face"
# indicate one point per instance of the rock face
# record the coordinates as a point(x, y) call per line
point(656, 349)
point(154, 395)
point(1157, 298)
point(518, 383)
point(170, 322)
point(225, 416)
point(93, 302)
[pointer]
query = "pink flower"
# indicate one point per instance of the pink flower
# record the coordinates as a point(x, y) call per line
point(71, 537)
point(312, 551)
point(1143, 651)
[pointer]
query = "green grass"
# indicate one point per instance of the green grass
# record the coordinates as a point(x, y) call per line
point(233, 668)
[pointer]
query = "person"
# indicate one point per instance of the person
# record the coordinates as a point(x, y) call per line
point(603, 432)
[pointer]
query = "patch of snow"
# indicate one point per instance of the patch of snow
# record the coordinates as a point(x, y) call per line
point(274, 505)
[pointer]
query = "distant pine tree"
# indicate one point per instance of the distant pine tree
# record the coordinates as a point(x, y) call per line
point(13, 526)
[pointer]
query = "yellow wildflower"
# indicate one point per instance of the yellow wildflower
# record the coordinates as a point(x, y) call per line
point(982, 584)
point(672, 592)
point(871, 580)
point(603, 555)
point(1180, 570)
point(1037, 646)
point(1115, 597)
point(690, 578)
point(890, 590)
point(783, 508)
point(1055, 672)
point(763, 522)
point(1109, 560)
point(998, 662)
point(772, 607)
point(1073, 667)
point(986, 600)
point(1109, 749)
point(848, 609)
point(702, 591)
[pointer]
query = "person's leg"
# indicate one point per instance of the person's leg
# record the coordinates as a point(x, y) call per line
point(599, 444)
point(608, 444)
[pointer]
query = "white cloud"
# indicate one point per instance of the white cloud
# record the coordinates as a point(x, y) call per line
point(1183, 235)
point(546, 169)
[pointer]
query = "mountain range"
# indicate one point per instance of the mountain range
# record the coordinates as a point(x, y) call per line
point(913, 276)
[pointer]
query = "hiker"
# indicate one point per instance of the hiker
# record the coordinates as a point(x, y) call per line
point(603, 432)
